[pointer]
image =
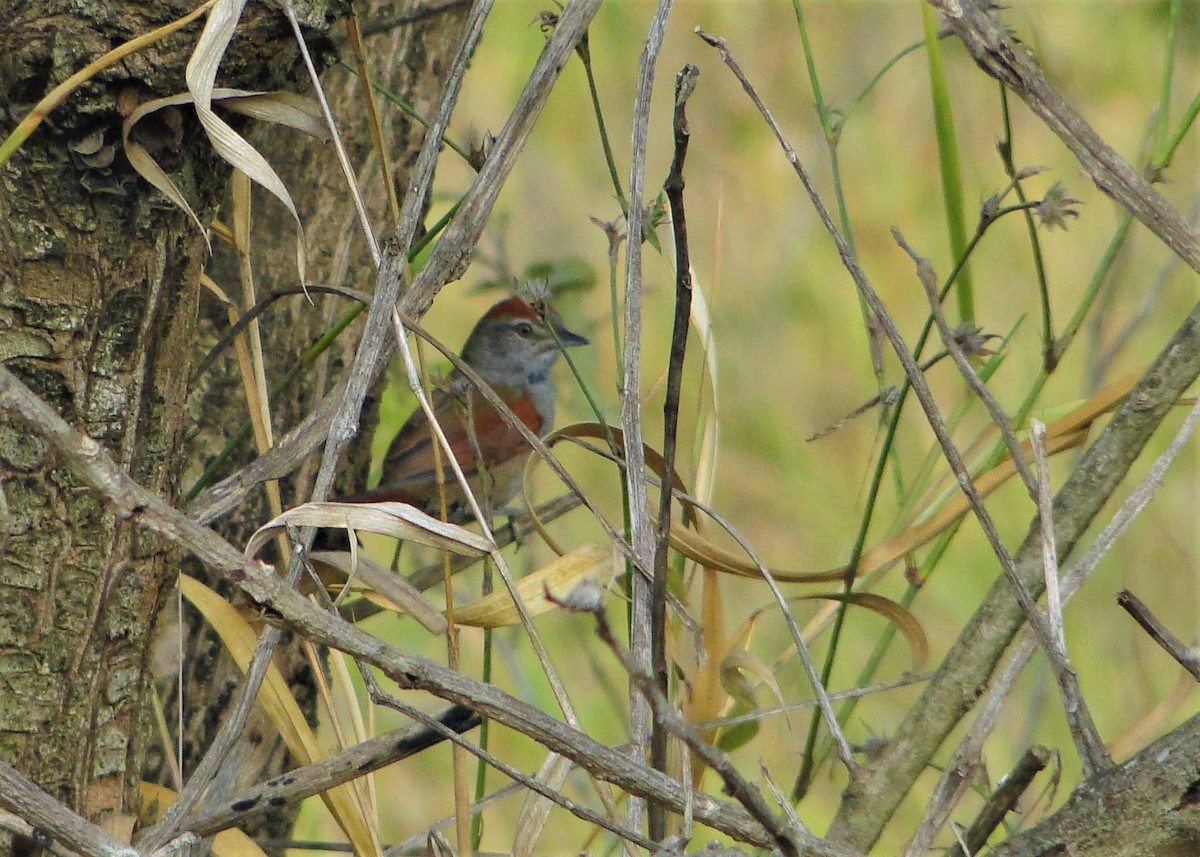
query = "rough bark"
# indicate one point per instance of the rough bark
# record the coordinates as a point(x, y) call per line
point(1148, 806)
point(98, 308)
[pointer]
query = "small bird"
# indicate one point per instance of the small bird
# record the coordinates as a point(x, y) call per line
point(513, 348)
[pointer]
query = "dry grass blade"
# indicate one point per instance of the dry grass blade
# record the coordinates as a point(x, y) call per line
point(733, 667)
point(250, 368)
point(148, 168)
point(1154, 722)
point(654, 459)
point(201, 76)
point(536, 809)
point(707, 697)
point(539, 590)
point(341, 703)
point(279, 108)
point(239, 640)
point(695, 547)
point(397, 520)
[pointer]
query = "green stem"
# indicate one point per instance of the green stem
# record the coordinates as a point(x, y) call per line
point(1005, 147)
point(948, 161)
point(585, 56)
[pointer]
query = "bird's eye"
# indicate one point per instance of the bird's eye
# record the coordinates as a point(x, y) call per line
point(524, 329)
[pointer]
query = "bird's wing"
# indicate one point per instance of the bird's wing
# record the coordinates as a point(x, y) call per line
point(410, 463)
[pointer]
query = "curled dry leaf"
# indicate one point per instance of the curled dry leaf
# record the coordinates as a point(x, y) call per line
point(282, 108)
point(201, 76)
point(595, 431)
point(397, 520)
point(905, 622)
point(586, 565)
point(734, 667)
point(695, 547)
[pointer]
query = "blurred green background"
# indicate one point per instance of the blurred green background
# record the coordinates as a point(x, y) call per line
point(791, 353)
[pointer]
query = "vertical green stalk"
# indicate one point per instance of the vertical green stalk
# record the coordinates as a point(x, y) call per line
point(952, 195)
point(1005, 147)
point(830, 127)
point(1164, 95)
point(583, 49)
point(484, 734)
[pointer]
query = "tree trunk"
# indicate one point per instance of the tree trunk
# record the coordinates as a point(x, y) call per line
point(99, 312)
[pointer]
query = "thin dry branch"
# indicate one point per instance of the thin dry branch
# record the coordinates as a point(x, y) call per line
point(533, 784)
point(1187, 656)
point(1002, 801)
point(641, 532)
point(1083, 730)
point(1150, 804)
point(349, 764)
point(685, 84)
point(22, 797)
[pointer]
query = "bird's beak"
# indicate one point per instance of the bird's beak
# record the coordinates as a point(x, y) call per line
point(568, 338)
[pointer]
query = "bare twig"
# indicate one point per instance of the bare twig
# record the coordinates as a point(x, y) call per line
point(641, 534)
point(1187, 656)
point(380, 697)
point(354, 762)
point(1002, 801)
point(792, 840)
point(685, 83)
point(261, 306)
point(278, 461)
point(22, 797)
point(910, 367)
point(801, 704)
point(1045, 503)
point(954, 348)
point(1146, 805)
